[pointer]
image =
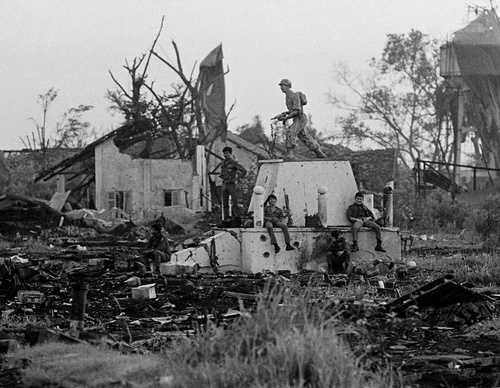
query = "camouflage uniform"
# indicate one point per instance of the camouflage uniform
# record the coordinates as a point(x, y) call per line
point(360, 216)
point(273, 217)
point(298, 127)
point(158, 250)
point(338, 257)
point(361, 212)
point(229, 170)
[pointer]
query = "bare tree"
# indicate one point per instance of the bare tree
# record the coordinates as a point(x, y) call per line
point(175, 115)
point(72, 131)
point(39, 139)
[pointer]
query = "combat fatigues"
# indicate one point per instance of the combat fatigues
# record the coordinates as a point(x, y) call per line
point(273, 218)
point(361, 211)
point(298, 127)
point(339, 257)
point(229, 174)
point(158, 250)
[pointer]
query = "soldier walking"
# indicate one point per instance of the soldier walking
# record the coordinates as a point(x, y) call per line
point(298, 127)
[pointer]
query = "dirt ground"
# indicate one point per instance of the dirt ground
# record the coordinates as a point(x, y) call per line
point(463, 352)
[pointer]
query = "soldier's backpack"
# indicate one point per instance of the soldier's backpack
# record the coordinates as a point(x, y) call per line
point(302, 98)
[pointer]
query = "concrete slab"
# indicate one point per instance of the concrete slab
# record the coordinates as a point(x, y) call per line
point(227, 248)
point(249, 250)
point(178, 269)
point(310, 243)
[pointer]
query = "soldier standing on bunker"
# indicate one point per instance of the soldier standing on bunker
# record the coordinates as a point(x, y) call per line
point(230, 172)
point(298, 127)
point(361, 216)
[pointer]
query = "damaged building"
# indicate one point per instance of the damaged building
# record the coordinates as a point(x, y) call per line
point(145, 188)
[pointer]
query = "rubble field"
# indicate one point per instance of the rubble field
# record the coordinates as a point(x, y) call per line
point(430, 328)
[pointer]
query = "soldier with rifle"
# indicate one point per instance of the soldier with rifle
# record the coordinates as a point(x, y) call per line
point(231, 172)
point(294, 104)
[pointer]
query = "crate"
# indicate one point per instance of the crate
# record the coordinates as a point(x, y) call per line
point(312, 221)
point(30, 297)
point(147, 291)
point(96, 263)
point(371, 272)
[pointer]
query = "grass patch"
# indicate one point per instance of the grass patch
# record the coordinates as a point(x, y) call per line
point(291, 339)
point(56, 364)
point(35, 245)
point(287, 342)
point(481, 269)
point(21, 323)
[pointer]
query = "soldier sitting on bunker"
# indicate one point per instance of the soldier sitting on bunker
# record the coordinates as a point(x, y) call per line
point(273, 216)
point(338, 257)
point(361, 216)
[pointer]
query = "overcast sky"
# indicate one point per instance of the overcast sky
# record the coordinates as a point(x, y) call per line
point(71, 46)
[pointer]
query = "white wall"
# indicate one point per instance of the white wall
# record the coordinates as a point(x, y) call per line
point(301, 180)
point(145, 178)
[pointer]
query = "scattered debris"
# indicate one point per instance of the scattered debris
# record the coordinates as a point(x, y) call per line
point(446, 303)
point(135, 311)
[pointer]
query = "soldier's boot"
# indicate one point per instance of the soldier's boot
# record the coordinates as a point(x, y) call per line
point(276, 248)
point(319, 154)
point(355, 247)
point(379, 248)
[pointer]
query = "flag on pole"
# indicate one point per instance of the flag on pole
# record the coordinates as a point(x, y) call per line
point(212, 95)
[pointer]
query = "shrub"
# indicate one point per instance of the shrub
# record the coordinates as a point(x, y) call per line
point(287, 342)
point(446, 211)
point(24, 167)
point(487, 217)
point(436, 211)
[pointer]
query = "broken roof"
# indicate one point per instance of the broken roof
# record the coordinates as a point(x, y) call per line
point(88, 152)
point(245, 144)
point(82, 156)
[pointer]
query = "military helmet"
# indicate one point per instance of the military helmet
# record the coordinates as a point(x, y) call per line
point(286, 82)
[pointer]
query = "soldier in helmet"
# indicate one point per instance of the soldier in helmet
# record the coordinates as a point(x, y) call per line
point(299, 118)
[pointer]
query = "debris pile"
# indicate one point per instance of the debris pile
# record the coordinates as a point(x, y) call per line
point(132, 310)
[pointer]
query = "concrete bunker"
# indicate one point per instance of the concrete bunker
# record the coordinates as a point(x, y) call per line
point(319, 193)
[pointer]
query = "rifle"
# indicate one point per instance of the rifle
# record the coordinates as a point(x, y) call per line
point(287, 207)
point(214, 259)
